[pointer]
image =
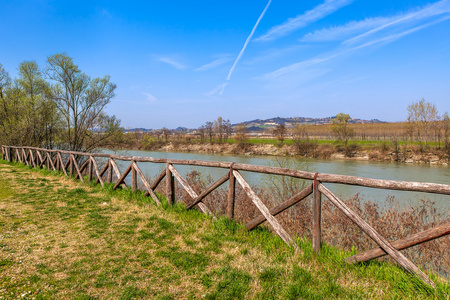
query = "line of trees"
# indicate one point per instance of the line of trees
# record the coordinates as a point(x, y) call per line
point(58, 106)
point(218, 130)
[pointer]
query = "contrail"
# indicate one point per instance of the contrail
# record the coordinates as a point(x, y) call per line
point(245, 44)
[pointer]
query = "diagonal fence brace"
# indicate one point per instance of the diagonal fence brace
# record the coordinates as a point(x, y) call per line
point(190, 191)
point(265, 211)
point(374, 235)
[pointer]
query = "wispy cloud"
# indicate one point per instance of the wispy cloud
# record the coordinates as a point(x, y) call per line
point(172, 62)
point(304, 66)
point(337, 33)
point(302, 20)
point(245, 45)
point(432, 10)
point(217, 90)
point(214, 64)
point(358, 35)
point(397, 36)
point(150, 98)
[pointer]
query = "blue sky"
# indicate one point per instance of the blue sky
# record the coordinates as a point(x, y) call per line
point(181, 63)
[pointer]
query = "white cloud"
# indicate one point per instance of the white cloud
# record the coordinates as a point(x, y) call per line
point(248, 40)
point(244, 47)
point(214, 64)
point(302, 20)
point(172, 62)
point(150, 98)
point(387, 29)
point(294, 69)
point(336, 33)
point(217, 90)
point(396, 36)
point(413, 17)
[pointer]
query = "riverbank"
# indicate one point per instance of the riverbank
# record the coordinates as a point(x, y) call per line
point(330, 151)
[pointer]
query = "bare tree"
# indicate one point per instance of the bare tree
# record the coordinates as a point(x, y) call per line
point(165, 132)
point(219, 129)
point(227, 129)
point(241, 133)
point(422, 114)
point(202, 132)
point(209, 130)
point(446, 127)
point(280, 132)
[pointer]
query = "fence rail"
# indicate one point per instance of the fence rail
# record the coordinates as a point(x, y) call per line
point(68, 163)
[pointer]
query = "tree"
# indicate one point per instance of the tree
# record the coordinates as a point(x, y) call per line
point(227, 128)
point(5, 81)
point(241, 133)
point(209, 130)
point(446, 127)
point(300, 132)
point(40, 113)
point(165, 132)
point(81, 102)
point(27, 115)
point(339, 125)
point(422, 114)
point(202, 132)
point(219, 129)
point(280, 132)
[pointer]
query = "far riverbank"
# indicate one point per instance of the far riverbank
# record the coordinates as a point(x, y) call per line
point(309, 150)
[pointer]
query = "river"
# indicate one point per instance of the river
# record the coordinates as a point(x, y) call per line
point(369, 169)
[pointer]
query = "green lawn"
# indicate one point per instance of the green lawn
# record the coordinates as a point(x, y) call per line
point(62, 239)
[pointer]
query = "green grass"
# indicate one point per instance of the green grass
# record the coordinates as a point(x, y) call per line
point(62, 239)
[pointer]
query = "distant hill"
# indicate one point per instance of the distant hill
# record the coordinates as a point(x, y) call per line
point(263, 124)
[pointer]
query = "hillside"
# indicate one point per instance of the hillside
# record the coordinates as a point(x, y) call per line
point(62, 239)
point(263, 124)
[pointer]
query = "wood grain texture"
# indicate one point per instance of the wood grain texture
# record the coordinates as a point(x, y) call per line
point(404, 243)
point(190, 191)
point(281, 207)
point(263, 209)
point(374, 235)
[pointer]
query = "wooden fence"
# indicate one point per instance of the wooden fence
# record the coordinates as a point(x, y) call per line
point(79, 164)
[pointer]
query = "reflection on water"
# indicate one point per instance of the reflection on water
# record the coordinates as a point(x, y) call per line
point(377, 170)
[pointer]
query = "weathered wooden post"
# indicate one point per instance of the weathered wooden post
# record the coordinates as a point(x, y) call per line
point(110, 172)
point(58, 162)
point(90, 169)
point(231, 194)
point(170, 185)
point(71, 168)
point(133, 177)
point(317, 212)
point(48, 160)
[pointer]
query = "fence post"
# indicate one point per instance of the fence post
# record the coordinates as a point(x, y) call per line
point(170, 186)
point(133, 177)
point(231, 194)
point(48, 159)
point(110, 172)
point(90, 171)
point(58, 168)
point(71, 166)
point(317, 212)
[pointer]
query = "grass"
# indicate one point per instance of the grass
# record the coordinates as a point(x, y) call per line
point(62, 239)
